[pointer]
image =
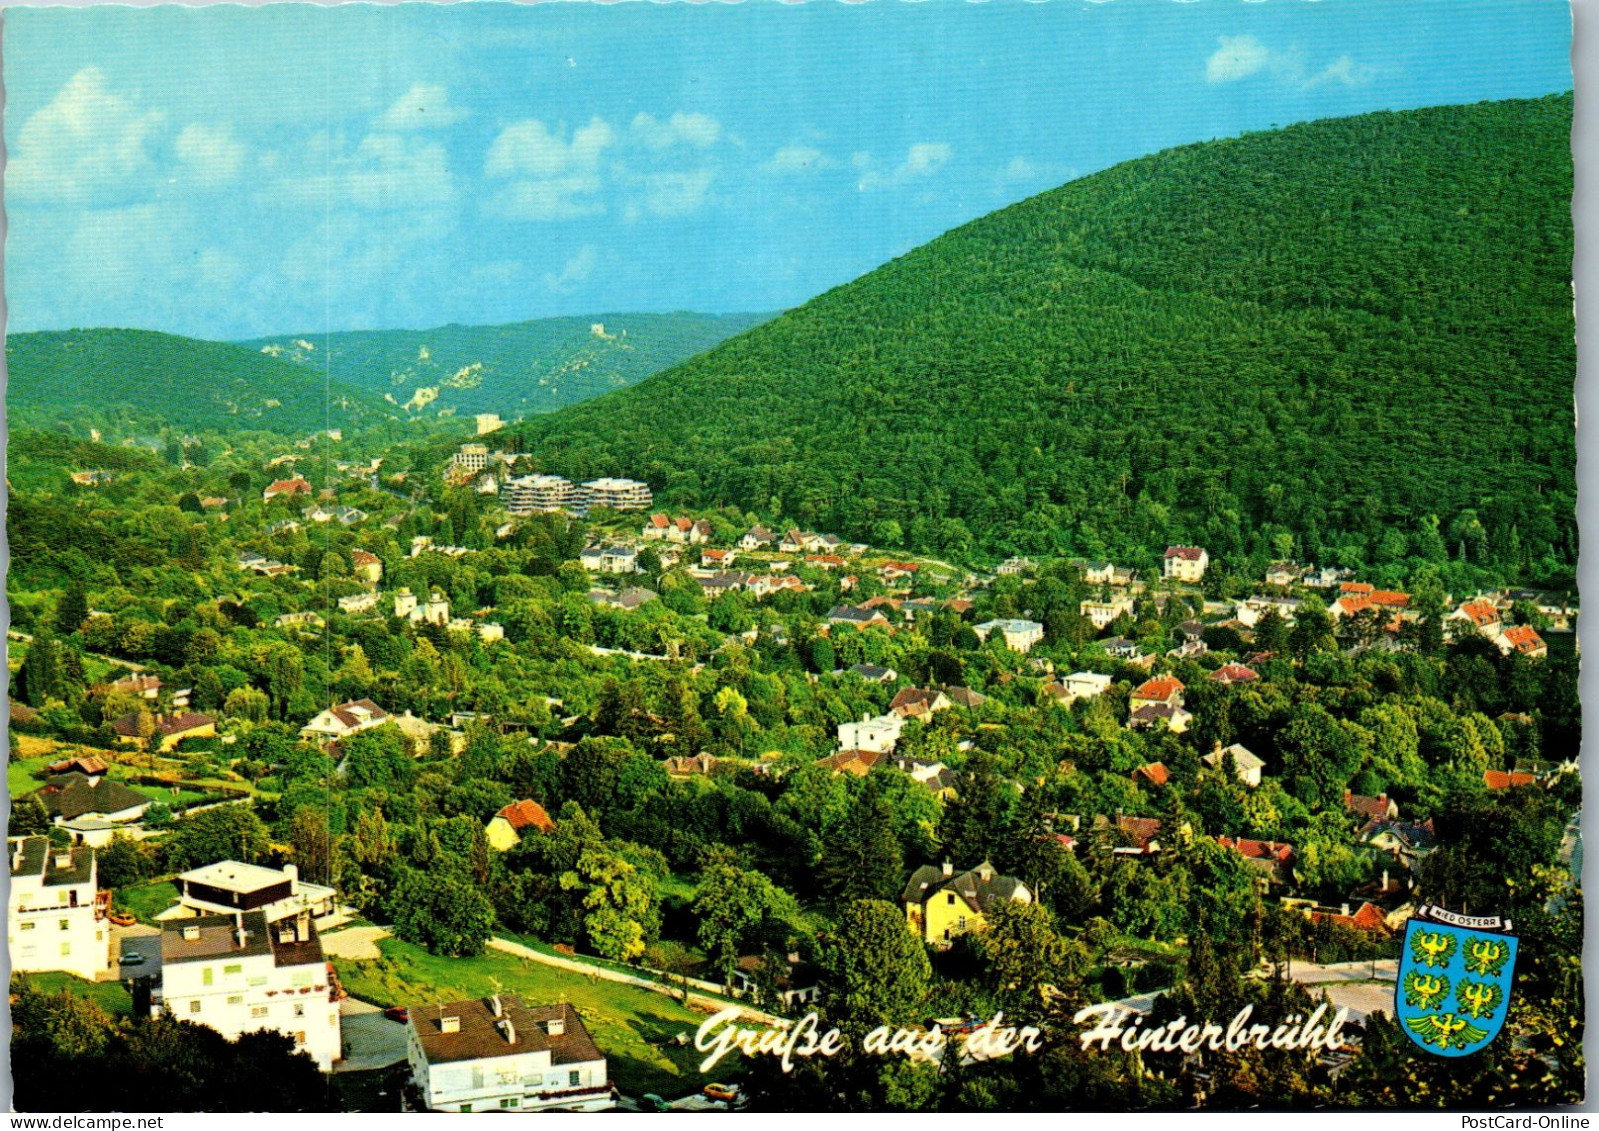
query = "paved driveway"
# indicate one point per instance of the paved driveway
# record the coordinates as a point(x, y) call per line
point(370, 1039)
point(137, 939)
point(354, 942)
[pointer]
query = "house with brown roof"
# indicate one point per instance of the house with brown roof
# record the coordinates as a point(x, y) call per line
point(701, 765)
point(286, 488)
point(366, 566)
point(919, 703)
point(344, 720)
point(169, 729)
point(854, 761)
point(85, 764)
point(505, 828)
point(498, 1054)
point(1152, 773)
point(1379, 808)
point(1185, 563)
point(1272, 860)
point(941, 904)
point(1368, 919)
point(1234, 673)
point(1139, 836)
point(1480, 614)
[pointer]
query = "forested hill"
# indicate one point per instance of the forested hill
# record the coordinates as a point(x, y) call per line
point(146, 379)
point(515, 370)
point(1308, 340)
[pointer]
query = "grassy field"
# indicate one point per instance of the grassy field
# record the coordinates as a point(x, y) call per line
point(111, 996)
point(147, 899)
point(633, 1027)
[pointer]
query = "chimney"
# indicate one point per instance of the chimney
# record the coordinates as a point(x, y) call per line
point(191, 934)
point(63, 860)
point(449, 1024)
point(1385, 881)
point(949, 868)
point(495, 1007)
point(555, 1026)
point(507, 1029)
point(292, 874)
point(1345, 910)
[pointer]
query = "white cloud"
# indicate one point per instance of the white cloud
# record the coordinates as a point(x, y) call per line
point(921, 159)
point(424, 106)
point(551, 198)
point(799, 159)
point(676, 194)
point(385, 172)
point(698, 131)
point(1238, 57)
point(87, 147)
point(576, 270)
point(1341, 70)
point(1019, 169)
point(529, 148)
point(210, 154)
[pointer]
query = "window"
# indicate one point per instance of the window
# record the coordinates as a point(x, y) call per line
point(66, 924)
point(29, 926)
point(512, 1102)
point(236, 999)
point(205, 976)
point(961, 923)
point(258, 980)
point(258, 1011)
point(299, 1038)
point(950, 899)
point(233, 968)
point(194, 1007)
point(299, 1010)
point(66, 949)
point(302, 978)
point(466, 1107)
point(574, 1076)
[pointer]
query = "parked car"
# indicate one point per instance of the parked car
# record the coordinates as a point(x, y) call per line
point(122, 918)
point(132, 958)
point(722, 1093)
point(398, 1013)
point(649, 1101)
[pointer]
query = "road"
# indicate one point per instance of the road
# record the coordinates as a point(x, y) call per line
point(369, 1038)
point(1361, 987)
point(27, 638)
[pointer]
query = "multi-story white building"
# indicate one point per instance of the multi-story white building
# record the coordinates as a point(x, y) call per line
point(618, 494)
point(472, 457)
point(538, 494)
point(1102, 613)
point(1185, 563)
point(228, 887)
point(238, 973)
point(497, 1054)
point(53, 922)
point(879, 734)
point(344, 720)
point(1020, 635)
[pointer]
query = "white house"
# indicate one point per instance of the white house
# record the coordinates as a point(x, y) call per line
point(344, 720)
point(1185, 563)
point(52, 921)
point(1020, 635)
point(358, 603)
point(1101, 613)
point(497, 1054)
point(1085, 685)
point(238, 973)
point(879, 734)
point(228, 887)
point(1246, 764)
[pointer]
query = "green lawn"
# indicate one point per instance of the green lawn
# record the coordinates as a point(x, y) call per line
point(634, 1027)
point(147, 899)
point(111, 996)
point(19, 775)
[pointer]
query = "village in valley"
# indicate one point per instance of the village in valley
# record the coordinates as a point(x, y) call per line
point(484, 787)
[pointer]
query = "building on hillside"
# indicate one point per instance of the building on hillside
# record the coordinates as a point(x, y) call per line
point(1246, 765)
point(344, 720)
point(873, 673)
point(1185, 563)
point(879, 734)
point(366, 566)
point(1166, 690)
point(358, 603)
point(505, 828)
point(1101, 613)
point(1379, 808)
point(1234, 673)
point(1019, 635)
point(1272, 861)
point(286, 488)
point(54, 920)
point(919, 703)
point(792, 986)
point(617, 494)
point(756, 538)
point(229, 887)
point(471, 457)
point(169, 729)
point(497, 1054)
point(1522, 638)
point(239, 974)
point(941, 904)
point(488, 422)
point(76, 796)
point(85, 764)
point(538, 494)
point(856, 615)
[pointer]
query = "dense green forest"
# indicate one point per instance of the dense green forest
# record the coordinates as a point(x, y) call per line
point(516, 369)
point(139, 378)
point(1349, 340)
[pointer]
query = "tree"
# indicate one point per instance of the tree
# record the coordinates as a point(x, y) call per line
point(979, 818)
point(1022, 952)
point(439, 910)
point(733, 907)
point(72, 610)
point(861, 856)
point(228, 832)
point(874, 969)
point(313, 845)
point(620, 916)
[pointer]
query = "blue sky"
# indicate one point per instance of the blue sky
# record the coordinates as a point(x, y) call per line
point(233, 172)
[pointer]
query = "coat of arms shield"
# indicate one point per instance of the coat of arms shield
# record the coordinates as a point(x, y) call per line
point(1453, 991)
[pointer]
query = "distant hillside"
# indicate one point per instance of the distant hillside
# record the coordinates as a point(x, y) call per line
point(1307, 339)
point(151, 379)
point(515, 370)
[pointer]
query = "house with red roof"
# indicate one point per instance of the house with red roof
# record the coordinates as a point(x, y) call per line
point(286, 488)
point(1506, 779)
point(1185, 563)
point(1481, 614)
point(1163, 690)
point(1271, 859)
point(1234, 673)
point(505, 828)
point(1379, 808)
point(1153, 773)
point(1523, 638)
point(367, 566)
